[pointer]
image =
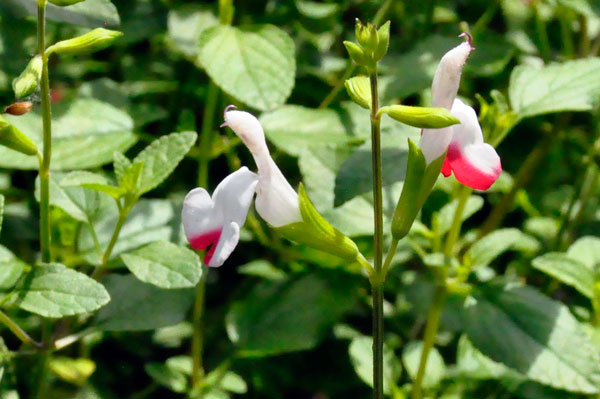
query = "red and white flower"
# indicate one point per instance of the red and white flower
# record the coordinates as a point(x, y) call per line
point(473, 162)
point(214, 223)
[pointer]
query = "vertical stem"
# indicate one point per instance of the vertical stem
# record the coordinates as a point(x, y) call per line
point(206, 135)
point(439, 297)
point(377, 277)
point(542, 34)
point(433, 323)
point(565, 33)
point(47, 132)
point(198, 325)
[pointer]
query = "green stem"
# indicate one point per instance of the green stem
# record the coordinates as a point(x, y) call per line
point(123, 212)
point(542, 34)
point(463, 195)
point(207, 133)
point(565, 32)
point(433, 322)
point(439, 297)
point(198, 325)
point(18, 331)
point(45, 231)
point(390, 256)
point(377, 276)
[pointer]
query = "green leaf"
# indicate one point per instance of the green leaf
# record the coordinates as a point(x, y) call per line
point(568, 86)
point(11, 268)
point(316, 10)
point(421, 117)
point(255, 64)
point(162, 157)
point(85, 133)
point(186, 24)
point(361, 356)
point(53, 290)
point(149, 221)
point(120, 164)
point(587, 251)
point(355, 175)
point(262, 268)
point(131, 179)
point(435, 369)
point(278, 317)
point(475, 364)
point(13, 138)
point(90, 13)
point(137, 306)
point(488, 248)
point(567, 271)
point(74, 371)
point(293, 127)
point(534, 335)
point(173, 379)
point(165, 265)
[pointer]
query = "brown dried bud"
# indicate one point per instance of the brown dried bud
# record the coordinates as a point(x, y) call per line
point(20, 108)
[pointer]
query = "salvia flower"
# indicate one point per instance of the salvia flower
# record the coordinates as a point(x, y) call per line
point(474, 163)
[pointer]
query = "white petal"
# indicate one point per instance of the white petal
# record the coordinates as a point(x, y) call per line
point(434, 142)
point(249, 129)
point(469, 130)
point(207, 221)
point(276, 201)
point(199, 217)
point(230, 237)
point(475, 165)
point(447, 75)
point(234, 194)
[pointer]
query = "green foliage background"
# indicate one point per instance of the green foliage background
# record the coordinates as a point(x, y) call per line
point(282, 320)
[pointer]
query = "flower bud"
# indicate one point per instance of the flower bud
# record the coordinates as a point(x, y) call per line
point(356, 53)
point(27, 83)
point(383, 35)
point(421, 117)
point(93, 41)
point(359, 89)
point(18, 109)
point(366, 35)
point(14, 139)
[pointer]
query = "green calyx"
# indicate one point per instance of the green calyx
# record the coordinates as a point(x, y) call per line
point(372, 44)
point(421, 117)
point(95, 40)
point(14, 139)
point(315, 232)
point(27, 83)
point(419, 181)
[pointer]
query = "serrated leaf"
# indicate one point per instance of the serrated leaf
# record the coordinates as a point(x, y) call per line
point(11, 268)
point(255, 64)
point(568, 86)
point(361, 357)
point(149, 221)
point(165, 265)
point(534, 335)
point(162, 157)
point(278, 317)
point(137, 306)
point(568, 271)
point(435, 369)
point(186, 24)
point(85, 134)
point(120, 164)
point(53, 290)
point(488, 248)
